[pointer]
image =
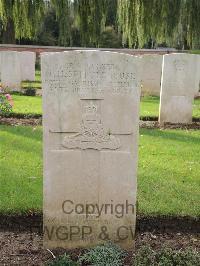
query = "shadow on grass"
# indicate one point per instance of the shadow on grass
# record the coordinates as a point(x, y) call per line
point(25, 132)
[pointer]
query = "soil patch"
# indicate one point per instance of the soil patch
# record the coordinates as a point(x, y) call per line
point(11, 121)
point(21, 237)
point(155, 124)
point(25, 248)
point(35, 121)
point(193, 125)
point(159, 224)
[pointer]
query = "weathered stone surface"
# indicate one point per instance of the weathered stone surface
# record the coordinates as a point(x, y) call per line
point(178, 85)
point(151, 74)
point(91, 118)
point(197, 87)
point(10, 70)
point(27, 61)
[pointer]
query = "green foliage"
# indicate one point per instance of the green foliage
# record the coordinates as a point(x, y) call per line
point(174, 22)
point(91, 19)
point(144, 257)
point(142, 23)
point(5, 106)
point(111, 12)
point(30, 91)
point(26, 16)
point(106, 254)
point(109, 38)
point(110, 255)
point(63, 9)
point(166, 257)
point(48, 32)
point(191, 22)
point(64, 260)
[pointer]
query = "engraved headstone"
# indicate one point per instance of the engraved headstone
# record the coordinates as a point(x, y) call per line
point(10, 70)
point(27, 61)
point(178, 84)
point(90, 119)
point(151, 74)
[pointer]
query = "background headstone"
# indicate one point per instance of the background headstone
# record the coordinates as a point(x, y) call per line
point(197, 87)
point(151, 74)
point(10, 70)
point(178, 85)
point(27, 61)
point(90, 119)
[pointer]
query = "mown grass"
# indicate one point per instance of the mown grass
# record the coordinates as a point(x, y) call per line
point(169, 172)
point(168, 175)
point(149, 105)
point(27, 104)
point(20, 169)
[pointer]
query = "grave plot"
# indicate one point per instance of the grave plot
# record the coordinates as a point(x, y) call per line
point(167, 179)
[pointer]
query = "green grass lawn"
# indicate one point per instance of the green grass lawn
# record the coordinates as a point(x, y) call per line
point(168, 177)
point(27, 104)
point(20, 169)
point(149, 105)
point(169, 172)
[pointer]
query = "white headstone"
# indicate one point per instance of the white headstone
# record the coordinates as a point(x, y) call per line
point(10, 70)
point(90, 119)
point(197, 90)
point(151, 74)
point(27, 60)
point(178, 84)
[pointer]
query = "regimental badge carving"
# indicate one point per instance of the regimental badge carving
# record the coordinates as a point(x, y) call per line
point(92, 134)
point(179, 64)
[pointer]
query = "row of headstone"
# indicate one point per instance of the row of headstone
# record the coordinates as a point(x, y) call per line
point(22, 67)
point(91, 120)
point(152, 73)
point(176, 79)
point(16, 67)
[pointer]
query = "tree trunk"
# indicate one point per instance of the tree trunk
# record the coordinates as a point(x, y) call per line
point(9, 33)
